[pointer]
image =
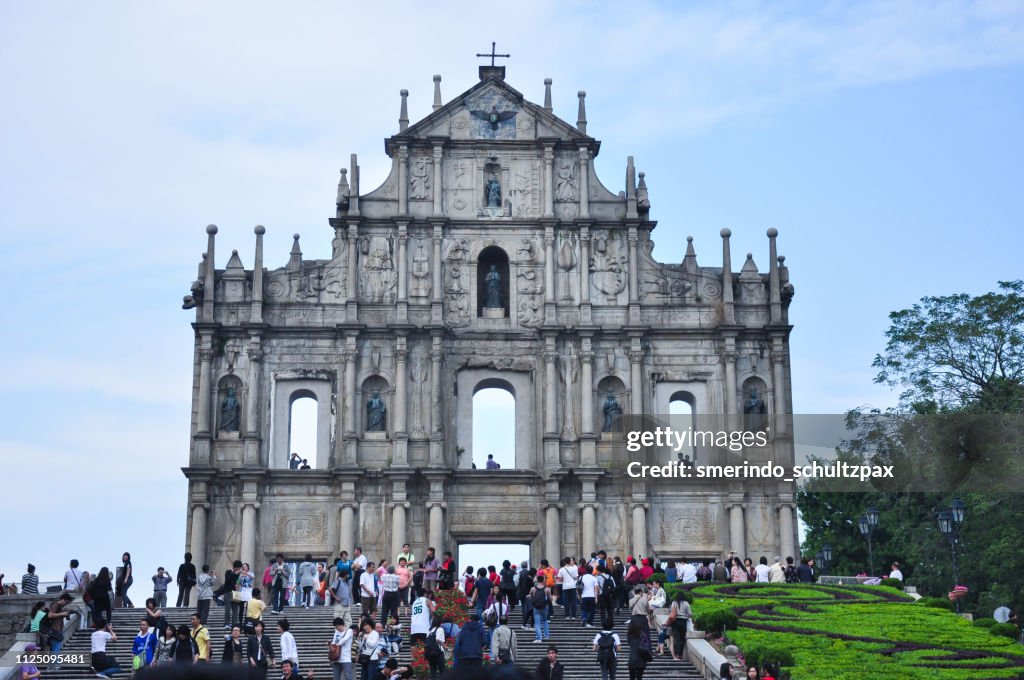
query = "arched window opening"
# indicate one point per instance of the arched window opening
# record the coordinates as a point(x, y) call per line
point(680, 412)
point(494, 428)
point(302, 432)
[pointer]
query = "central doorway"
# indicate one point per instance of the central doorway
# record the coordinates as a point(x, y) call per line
point(484, 555)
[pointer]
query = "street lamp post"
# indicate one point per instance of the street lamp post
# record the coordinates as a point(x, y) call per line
point(868, 522)
point(825, 558)
point(950, 522)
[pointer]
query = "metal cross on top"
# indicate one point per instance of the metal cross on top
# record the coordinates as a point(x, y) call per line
point(492, 55)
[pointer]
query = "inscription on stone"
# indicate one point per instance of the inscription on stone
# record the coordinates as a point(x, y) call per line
point(303, 529)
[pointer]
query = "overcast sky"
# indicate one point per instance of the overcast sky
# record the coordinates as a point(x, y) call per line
point(882, 140)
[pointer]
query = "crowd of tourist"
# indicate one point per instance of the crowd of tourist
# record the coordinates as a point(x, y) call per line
point(397, 606)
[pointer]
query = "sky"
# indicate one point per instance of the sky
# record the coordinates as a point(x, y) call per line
point(882, 140)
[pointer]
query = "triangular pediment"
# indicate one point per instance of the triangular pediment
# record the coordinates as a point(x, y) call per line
point(491, 110)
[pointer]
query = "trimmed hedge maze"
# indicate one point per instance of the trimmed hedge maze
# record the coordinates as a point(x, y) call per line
point(856, 632)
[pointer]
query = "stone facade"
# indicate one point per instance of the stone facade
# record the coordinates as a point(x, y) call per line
point(487, 180)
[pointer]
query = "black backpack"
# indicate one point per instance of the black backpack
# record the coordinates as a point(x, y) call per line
point(540, 598)
point(605, 648)
point(431, 649)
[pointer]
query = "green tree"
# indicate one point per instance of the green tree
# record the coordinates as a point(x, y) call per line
point(956, 358)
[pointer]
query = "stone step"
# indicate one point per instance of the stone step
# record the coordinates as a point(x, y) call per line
point(312, 629)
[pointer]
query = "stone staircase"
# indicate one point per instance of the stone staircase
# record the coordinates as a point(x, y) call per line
point(312, 629)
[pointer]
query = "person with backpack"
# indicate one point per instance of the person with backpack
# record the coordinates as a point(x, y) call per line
point(144, 647)
point(507, 583)
point(503, 643)
point(469, 645)
point(589, 600)
point(540, 601)
point(606, 589)
point(481, 591)
point(639, 651)
point(200, 640)
point(434, 649)
point(496, 610)
point(607, 646)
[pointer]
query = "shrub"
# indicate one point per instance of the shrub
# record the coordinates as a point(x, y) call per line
point(937, 602)
point(1006, 630)
point(672, 589)
point(717, 622)
point(892, 583)
point(984, 623)
point(656, 578)
point(762, 656)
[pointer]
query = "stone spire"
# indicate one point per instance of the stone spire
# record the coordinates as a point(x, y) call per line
point(547, 95)
point(403, 115)
point(690, 259)
point(295, 261)
point(210, 278)
point(581, 117)
point(437, 92)
point(257, 276)
point(774, 287)
point(728, 307)
point(643, 203)
point(630, 189)
point(342, 200)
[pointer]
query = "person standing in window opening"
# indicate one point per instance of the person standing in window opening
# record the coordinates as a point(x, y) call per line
point(307, 580)
point(294, 462)
point(124, 581)
point(305, 465)
point(186, 579)
point(491, 463)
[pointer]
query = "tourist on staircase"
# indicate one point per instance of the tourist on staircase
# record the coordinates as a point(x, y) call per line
point(540, 601)
point(205, 585)
point(550, 668)
point(260, 651)
point(504, 647)
point(639, 651)
point(104, 666)
point(607, 645)
point(469, 645)
point(185, 579)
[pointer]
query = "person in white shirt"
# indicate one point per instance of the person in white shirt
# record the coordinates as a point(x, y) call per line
point(73, 577)
point(762, 570)
point(422, 614)
point(658, 596)
point(607, 664)
point(289, 652)
point(589, 600)
point(567, 576)
point(896, 573)
point(368, 590)
point(105, 666)
point(342, 668)
point(687, 573)
point(369, 648)
point(777, 574)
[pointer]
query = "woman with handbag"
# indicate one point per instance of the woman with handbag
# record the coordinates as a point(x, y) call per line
point(261, 651)
point(235, 649)
point(677, 623)
point(369, 651)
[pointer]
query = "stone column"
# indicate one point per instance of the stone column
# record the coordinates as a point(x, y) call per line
point(584, 189)
point(438, 171)
point(585, 265)
point(729, 358)
point(352, 286)
point(587, 388)
point(253, 377)
point(779, 389)
point(400, 385)
point(549, 179)
point(435, 266)
point(639, 529)
point(198, 544)
point(552, 534)
point(550, 394)
point(435, 537)
point(347, 538)
point(403, 263)
point(398, 527)
point(636, 383)
point(589, 522)
point(351, 429)
point(786, 528)
point(435, 429)
point(210, 278)
point(633, 238)
point(737, 532)
point(205, 359)
point(248, 533)
point(403, 180)
point(549, 264)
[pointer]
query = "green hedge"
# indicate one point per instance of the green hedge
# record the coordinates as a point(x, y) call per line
point(893, 583)
point(937, 602)
point(984, 623)
point(1007, 630)
point(716, 622)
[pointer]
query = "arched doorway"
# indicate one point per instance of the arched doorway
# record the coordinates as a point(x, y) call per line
point(302, 428)
point(494, 425)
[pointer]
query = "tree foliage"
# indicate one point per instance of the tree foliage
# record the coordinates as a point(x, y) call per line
point(957, 358)
point(958, 351)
